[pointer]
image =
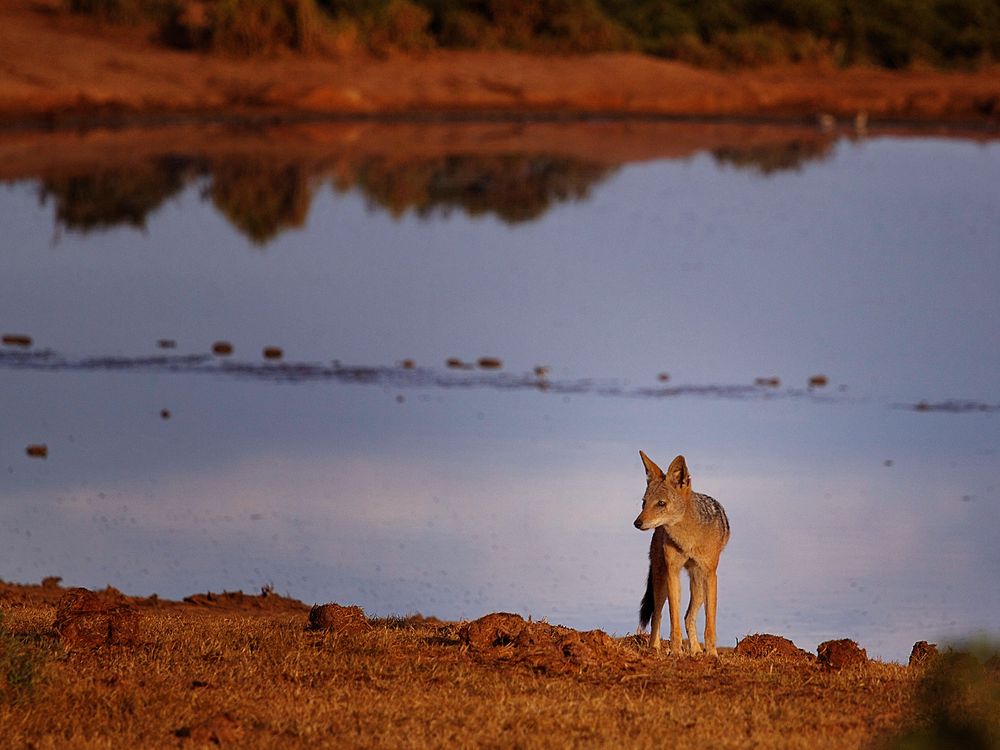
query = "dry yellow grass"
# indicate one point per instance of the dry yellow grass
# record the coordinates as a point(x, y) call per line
point(258, 678)
point(249, 674)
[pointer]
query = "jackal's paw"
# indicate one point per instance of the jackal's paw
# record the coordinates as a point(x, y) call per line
point(695, 648)
point(712, 653)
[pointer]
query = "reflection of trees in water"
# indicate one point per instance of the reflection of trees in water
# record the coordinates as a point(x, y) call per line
point(514, 187)
point(110, 197)
point(774, 157)
point(261, 199)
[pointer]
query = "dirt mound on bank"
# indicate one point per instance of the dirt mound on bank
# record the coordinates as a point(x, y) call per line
point(767, 646)
point(841, 654)
point(337, 618)
point(506, 637)
point(88, 619)
point(237, 600)
point(922, 654)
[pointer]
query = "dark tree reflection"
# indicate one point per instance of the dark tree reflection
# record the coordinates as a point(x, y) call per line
point(261, 199)
point(263, 196)
point(515, 187)
point(774, 157)
point(111, 197)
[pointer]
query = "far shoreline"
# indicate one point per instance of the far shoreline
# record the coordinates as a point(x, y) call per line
point(67, 71)
point(87, 119)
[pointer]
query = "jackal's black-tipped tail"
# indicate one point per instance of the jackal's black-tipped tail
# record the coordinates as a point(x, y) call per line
point(646, 608)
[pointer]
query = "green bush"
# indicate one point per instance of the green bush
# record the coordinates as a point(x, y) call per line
point(892, 33)
point(120, 11)
point(532, 25)
point(656, 28)
point(463, 28)
point(251, 27)
point(400, 25)
point(580, 26)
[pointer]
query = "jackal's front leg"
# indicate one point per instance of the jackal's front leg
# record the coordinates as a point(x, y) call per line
point(711, 600)
point(674, 601)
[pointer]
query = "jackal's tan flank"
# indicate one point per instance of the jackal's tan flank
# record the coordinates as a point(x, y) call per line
point(690, 531)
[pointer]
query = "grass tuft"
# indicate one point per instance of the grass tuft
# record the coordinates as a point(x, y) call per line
point(20, 665)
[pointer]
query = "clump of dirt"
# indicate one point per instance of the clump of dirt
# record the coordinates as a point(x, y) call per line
point(841, 653)
point(922, 654)
point(17, 339)
point(767, 646)
point(265, 600)
point(492, 631)
point(554, 649)
point(221, 729)
point(88, 619)
point(37, 450)
point(340, 619)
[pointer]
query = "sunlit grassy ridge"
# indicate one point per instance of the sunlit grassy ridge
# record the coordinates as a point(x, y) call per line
point(891, 33)
point(261, 671)
point(262, 680)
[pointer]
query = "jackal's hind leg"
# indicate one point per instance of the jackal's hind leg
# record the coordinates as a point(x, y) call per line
point(659, 599)
point(674, 601)
point(697, 597)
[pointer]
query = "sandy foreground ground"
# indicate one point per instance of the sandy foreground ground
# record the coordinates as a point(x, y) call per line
point(99, 669)
point(56, 67)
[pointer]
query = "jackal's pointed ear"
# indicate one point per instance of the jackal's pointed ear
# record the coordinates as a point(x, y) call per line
point(652, 470)
point(678, 473)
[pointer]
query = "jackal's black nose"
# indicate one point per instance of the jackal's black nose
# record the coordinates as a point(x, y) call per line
point(638, 524)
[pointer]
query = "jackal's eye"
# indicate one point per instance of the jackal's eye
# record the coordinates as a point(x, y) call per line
point(660, 503)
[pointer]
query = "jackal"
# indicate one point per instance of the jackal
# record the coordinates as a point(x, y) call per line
point(690, 530)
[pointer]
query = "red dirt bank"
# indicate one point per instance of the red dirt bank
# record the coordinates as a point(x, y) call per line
point(57, 65)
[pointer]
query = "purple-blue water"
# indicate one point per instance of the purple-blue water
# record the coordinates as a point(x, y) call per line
point(867, 508)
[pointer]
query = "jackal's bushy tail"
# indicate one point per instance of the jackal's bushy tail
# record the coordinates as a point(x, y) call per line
point(646, 607)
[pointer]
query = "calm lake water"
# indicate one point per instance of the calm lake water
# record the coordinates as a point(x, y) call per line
point(866, 508)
